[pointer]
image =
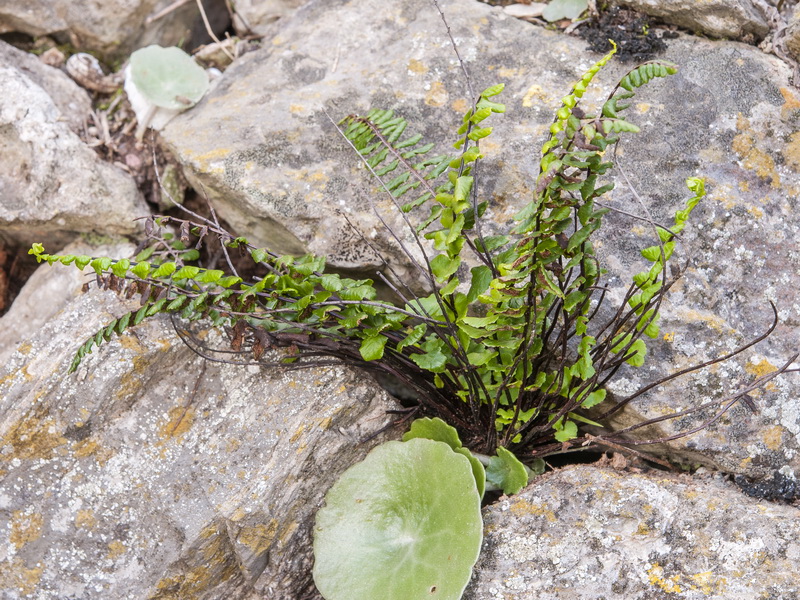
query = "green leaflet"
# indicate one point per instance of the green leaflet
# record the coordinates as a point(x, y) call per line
point(372, 347)
point(506, 473)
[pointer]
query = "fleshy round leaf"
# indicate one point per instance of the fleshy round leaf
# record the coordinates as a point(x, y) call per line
point(433, 429)
point(505, 472)
point(477, 470)
point(404, 524)
point(168, 77)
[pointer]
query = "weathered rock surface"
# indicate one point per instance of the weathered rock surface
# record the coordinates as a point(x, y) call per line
point(792, 35)
point(256, 16)
point(151, 473)
point(263, 147)
point(588, 533)
point(53, 186)
point(72, 102)
point(111, 28)
point(732, 19)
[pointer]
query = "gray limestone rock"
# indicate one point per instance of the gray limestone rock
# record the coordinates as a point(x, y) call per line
point(72, 101)
point(263, 147)
point(256, 16)
point(112, 28)
point(588, 533)
point(792, 35)
point(152, 473)
point(53, 186)
point(733, 19)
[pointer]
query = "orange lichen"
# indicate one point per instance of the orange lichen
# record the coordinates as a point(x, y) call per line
point(792, 152)
point(417, 67)
point(759, 368)
point(259, 537)
point(16, 576)
point(772, 437)
point(85, 519)
point(460, 106)
point(437, 95)
point(116, 549)
point(179, 422)
point(753, 158)
point(656, 576)
point(521, 508)
point(34, 435)
point(25, 528)
point(791, 103)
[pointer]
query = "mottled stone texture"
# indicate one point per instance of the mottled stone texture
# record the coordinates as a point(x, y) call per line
point(151, 473)
point(53, 186)
point(732, 19)
point(72, 101)
point(263, 147)
point(793, 34)
point(588, 533)
point(257, 16)
point(111, 28)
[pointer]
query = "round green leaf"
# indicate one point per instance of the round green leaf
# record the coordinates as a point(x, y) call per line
point(404, 524)
point(477, 470)
point(433, 429)
point(505, 472)
point(168, 77)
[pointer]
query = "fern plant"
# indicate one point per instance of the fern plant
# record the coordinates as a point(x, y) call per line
point(507, 351)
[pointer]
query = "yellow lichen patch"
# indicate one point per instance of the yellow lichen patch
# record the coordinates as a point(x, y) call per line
point(744, 186)
point(25, 528)
point(25, 348)
point(643, 107)
point(287, 532)
point(656, 576)
point(669, 337)
point(753, 158)
point(759, 368)
point(791, 103)
point(488, 147)
point(708, 583)
point(179, 422)
point(755, 211)
point(116, 549)
point(792, 152)
point(522, 508)
point(508, 73)
point(460, 106)
point(712, 154)
point(85, 519)
point(259, 537)
point(772, 437)
point(643, 529)
point(713, 321)
point(325, 423)
point(535, 91)
point(298, 432)
point(16, 576)
point(34, 435)
point(417, 67)
point(131, 381)
point(91, 447)
point(437, 95)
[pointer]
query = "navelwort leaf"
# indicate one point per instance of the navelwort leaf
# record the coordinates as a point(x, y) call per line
point(387, 529)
